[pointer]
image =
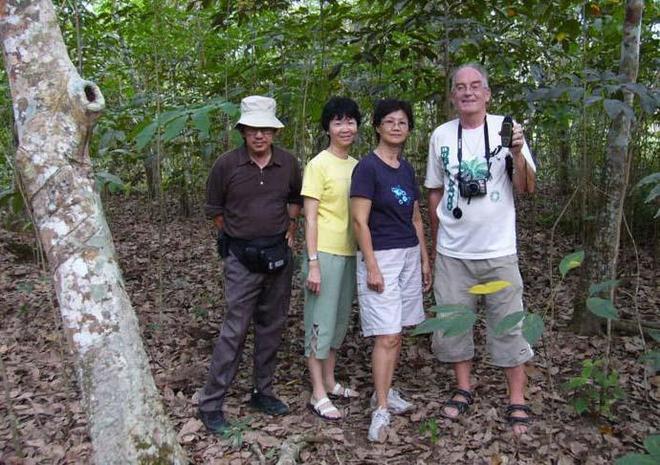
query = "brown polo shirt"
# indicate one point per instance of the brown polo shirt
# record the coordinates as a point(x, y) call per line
point(253, 201)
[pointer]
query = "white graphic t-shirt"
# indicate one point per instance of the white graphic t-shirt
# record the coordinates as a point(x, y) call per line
point(487, 226)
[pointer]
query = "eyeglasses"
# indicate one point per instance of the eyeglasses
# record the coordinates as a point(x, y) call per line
point(473, 87)
point(251, 132)
point(390, 123)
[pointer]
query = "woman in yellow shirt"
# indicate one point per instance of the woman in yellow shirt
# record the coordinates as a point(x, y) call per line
point(330, 253)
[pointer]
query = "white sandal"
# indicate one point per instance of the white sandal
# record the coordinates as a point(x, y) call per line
point(341, 392)
point(322, 407)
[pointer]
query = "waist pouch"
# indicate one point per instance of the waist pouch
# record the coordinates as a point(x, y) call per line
point(261, 255)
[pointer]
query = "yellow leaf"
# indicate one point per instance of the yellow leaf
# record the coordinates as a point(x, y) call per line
point(561, 36)
point(510, 12)
point(489, 288)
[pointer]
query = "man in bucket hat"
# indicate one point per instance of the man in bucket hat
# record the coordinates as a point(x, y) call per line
point(253, 197)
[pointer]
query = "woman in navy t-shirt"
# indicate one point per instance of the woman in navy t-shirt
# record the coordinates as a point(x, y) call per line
point(392, 264)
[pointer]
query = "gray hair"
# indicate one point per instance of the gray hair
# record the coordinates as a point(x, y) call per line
point(475, 66)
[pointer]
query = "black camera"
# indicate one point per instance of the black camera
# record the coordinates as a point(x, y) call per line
point(472, 188)
point(506, 132)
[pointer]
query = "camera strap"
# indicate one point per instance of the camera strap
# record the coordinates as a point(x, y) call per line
point(459, 152)
point(459, 144)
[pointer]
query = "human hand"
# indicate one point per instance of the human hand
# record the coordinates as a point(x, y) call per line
point(290, 235)
point(313, 282)
point(517, 140)
point(427, 276)
point(375, 280)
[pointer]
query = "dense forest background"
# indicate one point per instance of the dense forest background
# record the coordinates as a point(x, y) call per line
point(172, 74)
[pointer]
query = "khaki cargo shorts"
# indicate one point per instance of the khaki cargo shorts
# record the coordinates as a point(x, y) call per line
point(452, 279)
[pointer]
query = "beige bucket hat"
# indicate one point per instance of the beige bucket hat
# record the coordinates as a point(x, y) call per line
point(259, 112)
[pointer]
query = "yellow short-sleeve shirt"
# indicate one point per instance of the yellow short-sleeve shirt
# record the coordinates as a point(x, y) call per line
point(328, 179)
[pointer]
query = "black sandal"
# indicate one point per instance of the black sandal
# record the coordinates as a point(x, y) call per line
point(460, 405)
point(513, 420)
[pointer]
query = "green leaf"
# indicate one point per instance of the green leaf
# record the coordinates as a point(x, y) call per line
point(509, 322)
point(581, 405)
point(604, 308)
point(575, 383)
point(636, 459)
point(6, 194)
point(570, 261)
point(613, 107)
point(650, 179)
point(603, 286)
point(175, 127)
point(653, 357)
point(655, 334)
point(592, 99)
point(451, 324)
point(449, 308)
point(144, 137)
point(430, 325)
point(460, 323)
point(202, 122)
point(114, 183)
point(652, 444)
point(655, 192)
point(489, 288)
point(532, 328)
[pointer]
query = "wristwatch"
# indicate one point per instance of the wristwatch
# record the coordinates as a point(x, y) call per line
point(313, 258)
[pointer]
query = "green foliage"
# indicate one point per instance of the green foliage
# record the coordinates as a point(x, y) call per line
point(595, 390)
point(652, 359)
point(509, 322)
point(108, 181)
point(570, 261)
point(235, 432)
point(12, 200)
point(452, 320)
point(174, 121)
point(603, 308)
point(652, 445)
point(602, 287)
point(652, 180)
point(533, 327)
point(430, 427)
point(655, 334)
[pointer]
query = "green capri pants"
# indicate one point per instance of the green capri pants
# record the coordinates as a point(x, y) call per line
point(327, 313)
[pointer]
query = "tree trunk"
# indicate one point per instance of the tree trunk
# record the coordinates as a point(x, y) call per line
point(55, 111)
point(602, 249)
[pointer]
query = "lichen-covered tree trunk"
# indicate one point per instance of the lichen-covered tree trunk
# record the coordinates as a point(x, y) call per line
point(55, 111)
point(602, 249)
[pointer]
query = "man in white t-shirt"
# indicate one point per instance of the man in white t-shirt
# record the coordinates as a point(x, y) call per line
point(471, 178)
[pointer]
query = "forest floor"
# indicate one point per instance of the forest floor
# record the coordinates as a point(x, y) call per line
point(174, 279)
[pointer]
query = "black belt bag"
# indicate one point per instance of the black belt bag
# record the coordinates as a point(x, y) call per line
point(261, 255)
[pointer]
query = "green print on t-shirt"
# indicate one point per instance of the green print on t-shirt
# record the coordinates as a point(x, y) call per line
point(473, 169)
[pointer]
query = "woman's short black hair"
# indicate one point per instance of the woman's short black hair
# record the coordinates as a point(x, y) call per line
point(338, 108)
point(390, 105)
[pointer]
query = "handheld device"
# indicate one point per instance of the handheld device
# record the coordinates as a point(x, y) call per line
point(506, 132)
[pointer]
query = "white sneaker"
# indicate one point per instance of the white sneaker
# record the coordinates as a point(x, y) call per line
point(380, 420)
point(396, 404)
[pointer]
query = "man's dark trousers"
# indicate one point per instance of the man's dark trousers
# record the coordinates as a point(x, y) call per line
point(263, 298)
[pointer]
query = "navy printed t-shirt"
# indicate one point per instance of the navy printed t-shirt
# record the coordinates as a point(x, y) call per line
point(393, 192)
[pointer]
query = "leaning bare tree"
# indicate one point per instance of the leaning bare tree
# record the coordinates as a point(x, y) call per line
point(603, 247)
point(55, 111)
